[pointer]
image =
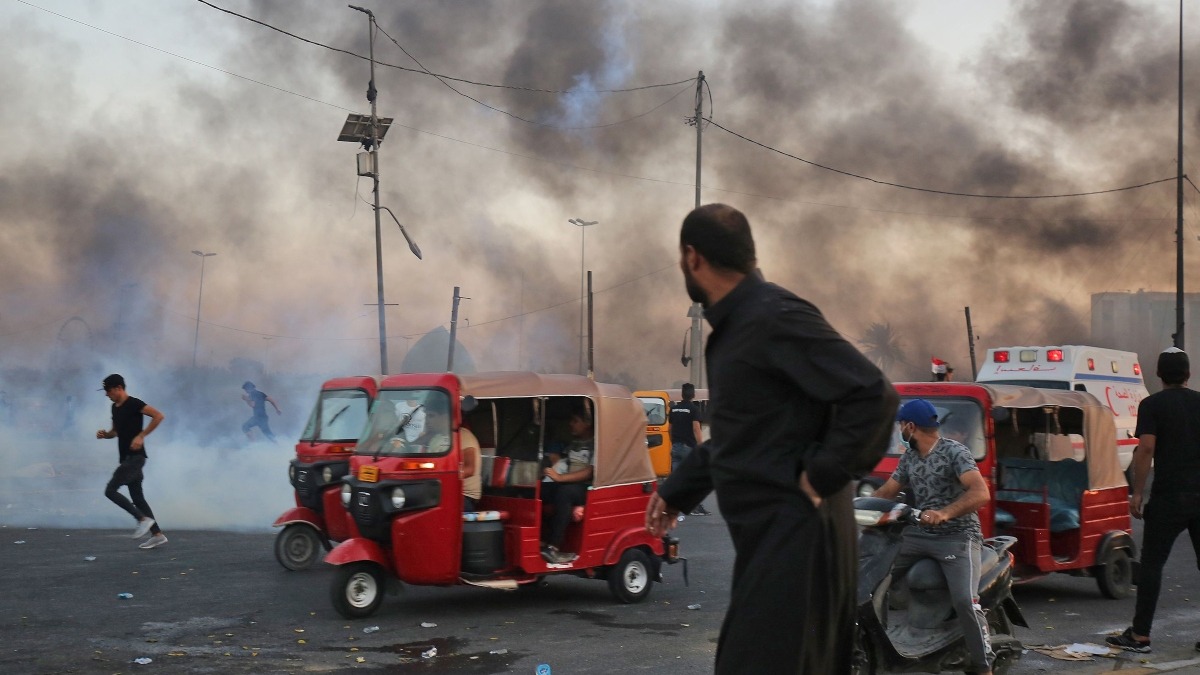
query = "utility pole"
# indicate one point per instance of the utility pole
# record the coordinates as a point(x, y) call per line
point(453, 330)
point(581, 224)
point(971, 341)
point(199, 299)
point(591, 371)
point(1179, 202)
point(374, 150)
point(696, 312)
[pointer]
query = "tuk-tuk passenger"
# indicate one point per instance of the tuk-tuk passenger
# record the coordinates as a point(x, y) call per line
point(565, 484)
point(472, 483)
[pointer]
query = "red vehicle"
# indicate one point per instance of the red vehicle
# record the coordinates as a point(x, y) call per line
point(1051, 463)
point(406, 495)
point(322, 459)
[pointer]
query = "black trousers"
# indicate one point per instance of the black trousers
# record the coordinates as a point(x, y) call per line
point(1167, 516)
point(129, 474)
point(791, 608)
point(565, 497)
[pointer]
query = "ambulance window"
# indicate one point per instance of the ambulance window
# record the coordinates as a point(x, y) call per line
point(1080, 387)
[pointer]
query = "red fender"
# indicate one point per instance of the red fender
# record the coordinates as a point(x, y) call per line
point(632, 537)
point(300, 514)
point(358, 549)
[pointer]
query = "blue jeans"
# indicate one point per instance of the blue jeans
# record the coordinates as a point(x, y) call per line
point(679, 452)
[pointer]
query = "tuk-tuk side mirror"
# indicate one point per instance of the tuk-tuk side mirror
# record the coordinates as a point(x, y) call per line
point(468, 403)
point(1001, 414)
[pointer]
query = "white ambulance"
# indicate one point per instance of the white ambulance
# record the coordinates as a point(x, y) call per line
point(1113, 376)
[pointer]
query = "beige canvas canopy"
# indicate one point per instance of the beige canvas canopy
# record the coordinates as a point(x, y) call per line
point(620, 420)
point(1099, 429)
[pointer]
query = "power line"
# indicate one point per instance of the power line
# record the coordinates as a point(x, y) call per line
point(515, 116)
point(929, 190)
point(439, 76)
point(179, 56)
point(548, 160)
point(569, 165)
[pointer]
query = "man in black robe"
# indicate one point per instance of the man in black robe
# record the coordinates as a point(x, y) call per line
point(796, 414)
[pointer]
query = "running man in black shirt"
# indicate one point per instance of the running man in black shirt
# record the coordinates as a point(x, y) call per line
point(796, 414)
point(127, 413)
point(685, 432)
point(1168, 432)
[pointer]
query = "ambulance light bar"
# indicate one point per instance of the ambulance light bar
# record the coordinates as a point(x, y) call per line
point(1054, 355)
point(1000, 356)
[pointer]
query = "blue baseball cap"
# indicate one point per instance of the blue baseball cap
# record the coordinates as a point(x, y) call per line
point(920, 412)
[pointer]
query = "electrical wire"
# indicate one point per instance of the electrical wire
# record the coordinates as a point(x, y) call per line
point(513, 115)
point(179, 56)
point(930, 190)
point(547, 160)
point(439, 76)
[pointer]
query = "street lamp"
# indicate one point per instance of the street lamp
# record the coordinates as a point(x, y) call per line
point(369, 130)
point(196, 340)
point(581, 224)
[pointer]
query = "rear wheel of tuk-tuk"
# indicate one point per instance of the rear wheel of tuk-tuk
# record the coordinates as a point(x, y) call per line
point(357, 589)
point(297, 546)
point(629, 580)
point(1114, 574)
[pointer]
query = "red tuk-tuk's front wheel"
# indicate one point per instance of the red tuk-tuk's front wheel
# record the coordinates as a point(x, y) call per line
point(297, 546)
point(629, 580)
point(357, 589)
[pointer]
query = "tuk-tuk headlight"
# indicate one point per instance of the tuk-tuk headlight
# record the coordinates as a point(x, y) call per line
point(398, 498)
point(327, 474)
point(346, 492)
point(291, 472)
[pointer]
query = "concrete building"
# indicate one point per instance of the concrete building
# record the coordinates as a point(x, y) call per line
point(1144, 322)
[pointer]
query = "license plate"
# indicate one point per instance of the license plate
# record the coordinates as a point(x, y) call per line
point(368, 474)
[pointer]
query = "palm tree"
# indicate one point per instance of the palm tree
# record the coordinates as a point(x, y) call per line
point(881, 344)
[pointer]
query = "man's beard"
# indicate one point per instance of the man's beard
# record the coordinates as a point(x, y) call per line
point(693, 289)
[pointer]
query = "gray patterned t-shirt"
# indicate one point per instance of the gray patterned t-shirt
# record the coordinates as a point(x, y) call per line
point(934, 481)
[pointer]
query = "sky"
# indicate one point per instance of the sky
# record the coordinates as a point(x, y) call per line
point(138, 132)
point(124, 154)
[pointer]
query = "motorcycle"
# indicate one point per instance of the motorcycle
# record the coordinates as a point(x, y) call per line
point(908, 625)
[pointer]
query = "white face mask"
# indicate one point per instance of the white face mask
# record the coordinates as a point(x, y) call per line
point(906, 442)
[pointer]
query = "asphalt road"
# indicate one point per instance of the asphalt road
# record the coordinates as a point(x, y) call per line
point(217, 602)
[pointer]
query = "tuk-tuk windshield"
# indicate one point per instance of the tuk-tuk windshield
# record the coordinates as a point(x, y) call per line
point(407, 422)
point(339, 415)
point(656, 410)
point(961, 420)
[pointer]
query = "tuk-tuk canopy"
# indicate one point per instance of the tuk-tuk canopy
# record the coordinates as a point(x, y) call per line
point(1099, 429)
point(619, 419)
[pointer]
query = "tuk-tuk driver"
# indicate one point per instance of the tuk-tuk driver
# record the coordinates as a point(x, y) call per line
point(565, 484)
point(949, 489)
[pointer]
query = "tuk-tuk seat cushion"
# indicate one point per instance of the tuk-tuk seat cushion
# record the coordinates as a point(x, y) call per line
point(1063, 481)
point(483, 516)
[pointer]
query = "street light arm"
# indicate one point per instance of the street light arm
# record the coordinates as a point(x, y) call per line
point(412, 245)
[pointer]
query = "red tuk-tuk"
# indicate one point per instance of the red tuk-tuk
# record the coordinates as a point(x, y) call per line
point(1051, 464)
point(322, 459)
point(406, 495)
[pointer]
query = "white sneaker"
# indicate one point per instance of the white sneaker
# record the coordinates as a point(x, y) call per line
point(156, 540)
point(143, 527)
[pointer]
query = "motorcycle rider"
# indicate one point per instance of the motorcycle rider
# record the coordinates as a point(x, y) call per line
point(949, 489)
